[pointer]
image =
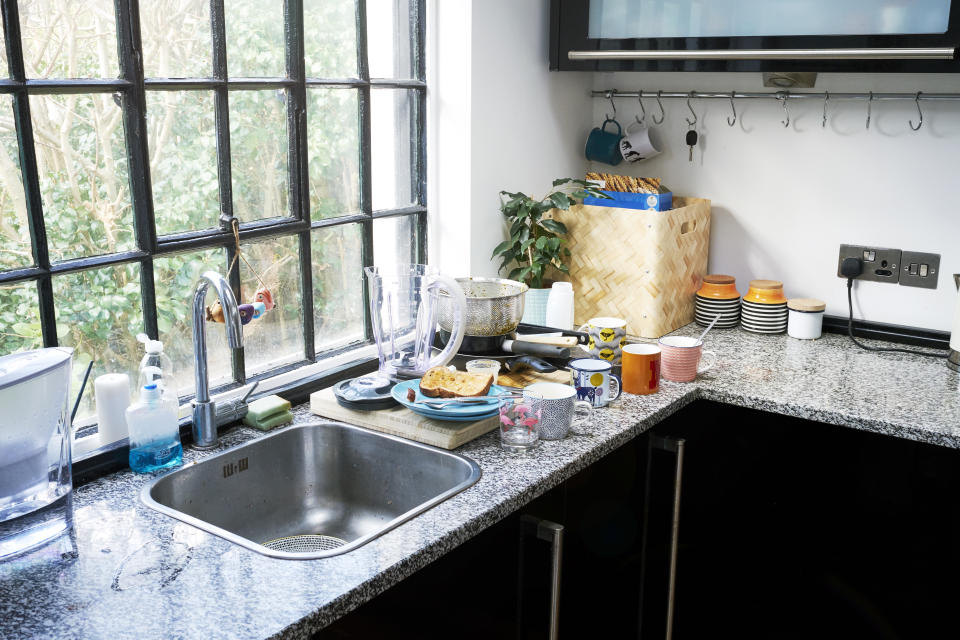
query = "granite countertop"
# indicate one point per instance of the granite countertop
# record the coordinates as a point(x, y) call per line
point(138, 573)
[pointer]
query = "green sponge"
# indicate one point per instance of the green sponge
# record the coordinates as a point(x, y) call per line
point(268, 412)
point(269, 422)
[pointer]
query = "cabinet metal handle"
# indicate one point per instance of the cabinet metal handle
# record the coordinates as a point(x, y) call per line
point(552, 533)
point(675, 445)
point(879, 53)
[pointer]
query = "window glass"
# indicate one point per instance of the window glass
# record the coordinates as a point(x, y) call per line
point(338, 311)
point(258, 148)
point(394, 147)
point(82, 164)
point(254, 38)
point(176, 38)
point(15, 248)
point(333, 145)
point(69, 38)
point(391, 32)
point(19, 318)
point(275, 338)
point(330, 39)
point(101, 324)
point(183, 160)
point(394, 240)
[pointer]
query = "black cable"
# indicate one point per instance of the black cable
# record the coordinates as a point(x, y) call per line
point(888, 349)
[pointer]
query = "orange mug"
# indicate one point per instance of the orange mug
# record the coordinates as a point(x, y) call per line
point(641, 368)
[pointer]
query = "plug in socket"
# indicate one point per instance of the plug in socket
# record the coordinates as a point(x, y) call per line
point(879, 264)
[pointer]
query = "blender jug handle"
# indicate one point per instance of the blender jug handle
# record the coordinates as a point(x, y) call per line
point(459, 320)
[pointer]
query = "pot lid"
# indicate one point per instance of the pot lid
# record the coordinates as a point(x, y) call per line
point(19, 367)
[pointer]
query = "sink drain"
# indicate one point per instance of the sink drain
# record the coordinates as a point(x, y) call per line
point(308, 543)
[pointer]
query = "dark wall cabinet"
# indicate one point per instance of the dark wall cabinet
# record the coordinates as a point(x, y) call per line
point(786, 529)
point(755, 35)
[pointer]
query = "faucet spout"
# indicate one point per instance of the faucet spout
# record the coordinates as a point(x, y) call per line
point(956, 280)
point(204, 410)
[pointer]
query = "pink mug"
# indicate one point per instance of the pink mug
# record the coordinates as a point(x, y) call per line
point(680, 358)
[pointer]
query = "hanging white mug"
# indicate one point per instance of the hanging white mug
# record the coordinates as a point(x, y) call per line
point(638, 143)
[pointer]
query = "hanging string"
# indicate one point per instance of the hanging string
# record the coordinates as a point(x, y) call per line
point(239, 254)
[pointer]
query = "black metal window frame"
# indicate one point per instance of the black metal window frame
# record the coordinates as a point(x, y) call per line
point(130, 89)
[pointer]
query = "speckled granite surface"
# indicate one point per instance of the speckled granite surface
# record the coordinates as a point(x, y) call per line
point(140, 574)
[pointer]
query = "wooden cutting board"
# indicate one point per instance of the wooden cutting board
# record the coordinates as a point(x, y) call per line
point(402, 422)
point(529, 376)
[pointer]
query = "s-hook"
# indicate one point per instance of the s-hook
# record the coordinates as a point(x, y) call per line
point(826, 96)
point(641, 120)
point(869, 104)
point(919, 111)
point(782, 96)
point(612, 104)
point(691, 111)
point(663, 113)
point(733, 107)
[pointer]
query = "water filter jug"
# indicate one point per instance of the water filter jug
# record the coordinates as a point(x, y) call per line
point(35, 475)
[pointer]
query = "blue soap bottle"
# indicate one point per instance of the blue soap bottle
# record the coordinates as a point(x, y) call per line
point(154, 431)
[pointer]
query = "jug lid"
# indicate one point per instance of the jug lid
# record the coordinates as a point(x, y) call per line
point(19, 367)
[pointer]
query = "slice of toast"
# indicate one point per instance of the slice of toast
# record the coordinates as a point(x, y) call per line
point(440, 382)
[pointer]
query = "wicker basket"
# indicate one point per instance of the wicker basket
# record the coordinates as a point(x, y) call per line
point(643, 266)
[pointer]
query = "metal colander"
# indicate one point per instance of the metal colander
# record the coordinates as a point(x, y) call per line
point(307, 543)
point(494, 306)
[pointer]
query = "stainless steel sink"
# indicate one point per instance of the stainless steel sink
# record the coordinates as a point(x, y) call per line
point(311, 491)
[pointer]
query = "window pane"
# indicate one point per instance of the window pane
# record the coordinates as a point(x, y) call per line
point(99, 314)
point(333, 134)
point(254, 39)
point(82, 162)
point(394, 240)
point(19, 318)
point(330, 39)
point(275, 338)
point(176, 38)
point(4, 68)
point(69, 38)
point(390, 38)
point(394, 145)
point(337, 278)
point(15, 250)
point(175, 278)
point(183, 160)
point(258, 147)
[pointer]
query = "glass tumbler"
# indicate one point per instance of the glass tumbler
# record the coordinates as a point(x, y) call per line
point(520, 422)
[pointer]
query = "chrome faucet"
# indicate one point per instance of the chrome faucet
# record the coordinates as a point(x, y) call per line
point(204, 409)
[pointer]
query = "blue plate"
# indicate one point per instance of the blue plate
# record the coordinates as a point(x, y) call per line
point(454, 412)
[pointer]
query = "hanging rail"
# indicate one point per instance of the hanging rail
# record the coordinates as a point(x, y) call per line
point(776, 95)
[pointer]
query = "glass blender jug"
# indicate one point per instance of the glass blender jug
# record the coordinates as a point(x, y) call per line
point(404, 302)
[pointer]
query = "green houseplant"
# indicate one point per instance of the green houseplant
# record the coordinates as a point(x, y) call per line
point(536, 243)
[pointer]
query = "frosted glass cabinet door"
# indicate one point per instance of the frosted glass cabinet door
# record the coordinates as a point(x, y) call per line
point(618, 19)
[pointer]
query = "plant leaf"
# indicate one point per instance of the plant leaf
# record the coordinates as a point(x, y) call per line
point(560, 200)
point(560, 181)
point(553, 225)
point(503, 247)
point(542, 242)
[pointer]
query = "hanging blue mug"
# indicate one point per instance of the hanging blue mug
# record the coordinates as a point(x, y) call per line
point(604, 146)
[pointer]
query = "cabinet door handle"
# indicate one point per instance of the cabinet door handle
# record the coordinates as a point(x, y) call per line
point(552, 533)
point(675, 445)
point(876, 53)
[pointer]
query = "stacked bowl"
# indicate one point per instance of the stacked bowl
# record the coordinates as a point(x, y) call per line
point(718, 295)
point(764, 308)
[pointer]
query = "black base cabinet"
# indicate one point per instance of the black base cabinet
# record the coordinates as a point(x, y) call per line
point(787, 529)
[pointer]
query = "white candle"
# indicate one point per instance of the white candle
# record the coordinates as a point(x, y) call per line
point(113, 397)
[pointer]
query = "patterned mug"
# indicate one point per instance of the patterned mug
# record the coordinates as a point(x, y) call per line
point(593, 379)
point(559, 406)
point(607, 337)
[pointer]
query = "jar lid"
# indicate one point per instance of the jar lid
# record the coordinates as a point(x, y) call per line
point(806, 304)
point(18, 367)
point(719, 278)
point(766, 284)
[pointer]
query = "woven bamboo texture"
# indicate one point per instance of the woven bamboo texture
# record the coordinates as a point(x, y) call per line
point(643, 266)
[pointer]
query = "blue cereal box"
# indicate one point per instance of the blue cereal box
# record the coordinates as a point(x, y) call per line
point(642, 201)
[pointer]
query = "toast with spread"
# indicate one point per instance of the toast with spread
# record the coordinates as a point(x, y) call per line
point(440, 382)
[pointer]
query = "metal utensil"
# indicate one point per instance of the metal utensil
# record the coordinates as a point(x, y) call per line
point(709, 326)
point(494, 306)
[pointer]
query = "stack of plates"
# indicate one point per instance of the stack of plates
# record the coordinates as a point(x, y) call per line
point(707, 309)
point(759, 317)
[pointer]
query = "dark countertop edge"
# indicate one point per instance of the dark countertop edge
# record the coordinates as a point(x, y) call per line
point(364, 592)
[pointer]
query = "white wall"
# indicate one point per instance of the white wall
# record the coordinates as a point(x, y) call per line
point(784, 199)
point(499, 121)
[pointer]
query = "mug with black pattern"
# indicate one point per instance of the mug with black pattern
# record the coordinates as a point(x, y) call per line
point(559, 407)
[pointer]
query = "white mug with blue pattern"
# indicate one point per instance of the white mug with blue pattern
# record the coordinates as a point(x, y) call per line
point(559, 406)
point(595, 381)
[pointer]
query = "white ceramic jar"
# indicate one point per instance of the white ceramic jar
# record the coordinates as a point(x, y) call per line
point(805, 320)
